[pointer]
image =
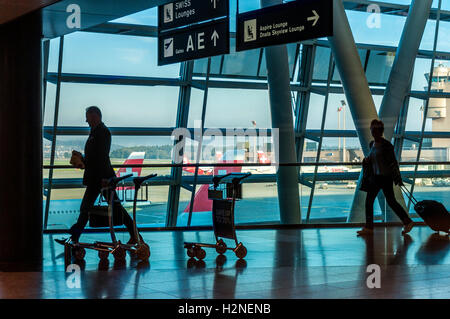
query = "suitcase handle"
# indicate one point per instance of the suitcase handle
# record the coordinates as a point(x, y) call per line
point(409, 195)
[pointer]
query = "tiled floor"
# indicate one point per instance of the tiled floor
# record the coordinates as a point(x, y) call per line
point(308, 263)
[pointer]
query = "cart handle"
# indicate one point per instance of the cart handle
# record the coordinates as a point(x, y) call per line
point(217, 179)
point(113, 181)
point(139, 180)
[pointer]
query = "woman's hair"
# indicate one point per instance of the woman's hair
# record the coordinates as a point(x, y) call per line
point(376, 124)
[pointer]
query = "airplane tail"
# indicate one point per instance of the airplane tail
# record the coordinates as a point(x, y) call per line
point(135, 158)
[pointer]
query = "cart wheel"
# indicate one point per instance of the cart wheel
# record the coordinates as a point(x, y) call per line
point(190, 252)
point(221, 247)
point(143, 252)
point(241, 252)
point(200, 253)
point(119, 253)
point(103, 254)
point(79, 253)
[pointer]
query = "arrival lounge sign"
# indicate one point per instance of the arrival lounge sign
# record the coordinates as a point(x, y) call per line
point(285, 23)
point(193, 29)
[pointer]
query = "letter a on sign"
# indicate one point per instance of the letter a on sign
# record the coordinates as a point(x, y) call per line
point(74, 20)
point(374, 279)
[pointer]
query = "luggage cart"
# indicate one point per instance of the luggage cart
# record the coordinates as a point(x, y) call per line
point(225, 191)
point(115, 247)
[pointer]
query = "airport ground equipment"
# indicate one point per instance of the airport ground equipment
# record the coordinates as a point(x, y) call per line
point(224, 193)
point(115, 247)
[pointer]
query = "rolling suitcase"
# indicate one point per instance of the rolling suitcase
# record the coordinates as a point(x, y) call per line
point(433, 213)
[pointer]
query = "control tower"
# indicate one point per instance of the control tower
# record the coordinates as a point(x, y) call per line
point(439, 108)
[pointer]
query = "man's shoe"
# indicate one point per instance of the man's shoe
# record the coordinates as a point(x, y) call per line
point(133, 241)
point(365, 231)
point(407, 228)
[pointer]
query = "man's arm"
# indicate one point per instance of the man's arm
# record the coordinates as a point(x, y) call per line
point(102, 148)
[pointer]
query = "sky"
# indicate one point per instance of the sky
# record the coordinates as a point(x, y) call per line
point(156, 106)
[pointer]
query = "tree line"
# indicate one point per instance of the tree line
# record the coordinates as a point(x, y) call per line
point(151, 152)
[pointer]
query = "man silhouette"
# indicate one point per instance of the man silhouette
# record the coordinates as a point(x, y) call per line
point(97, 168)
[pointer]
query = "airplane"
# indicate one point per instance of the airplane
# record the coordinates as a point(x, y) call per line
point(64, 212)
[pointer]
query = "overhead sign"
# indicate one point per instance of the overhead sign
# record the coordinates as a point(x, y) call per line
point(285, 23)
point(204, 40)
point(184, 12)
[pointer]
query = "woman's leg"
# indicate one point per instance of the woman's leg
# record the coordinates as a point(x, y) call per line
point(388, 190)
point(370, 199)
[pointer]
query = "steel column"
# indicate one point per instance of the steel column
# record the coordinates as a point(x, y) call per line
point(278, 77)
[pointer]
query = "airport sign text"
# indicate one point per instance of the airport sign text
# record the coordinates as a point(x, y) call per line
point(200, 41)
point(285, 23)
point(184, 12)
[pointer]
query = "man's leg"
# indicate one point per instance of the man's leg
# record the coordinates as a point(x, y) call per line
point(388, 190)
point(90, 195)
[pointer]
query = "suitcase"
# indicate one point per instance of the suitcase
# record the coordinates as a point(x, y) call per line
point(98, 217)
point(433, 213)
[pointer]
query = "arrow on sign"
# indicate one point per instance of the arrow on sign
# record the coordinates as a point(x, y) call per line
point(315, 17)
point(215, 2)
point(214, 37)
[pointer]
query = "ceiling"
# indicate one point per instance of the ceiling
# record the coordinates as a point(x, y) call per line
point(92, 13)
point(11, 9)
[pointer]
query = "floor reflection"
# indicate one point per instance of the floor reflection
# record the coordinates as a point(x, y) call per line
point(288, 263)
point(434, 250)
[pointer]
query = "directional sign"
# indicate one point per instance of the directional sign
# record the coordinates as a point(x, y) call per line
point(204, 40)
point(285, 23)
point(184, 12)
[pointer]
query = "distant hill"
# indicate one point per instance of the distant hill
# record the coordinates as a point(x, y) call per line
point(151, 152)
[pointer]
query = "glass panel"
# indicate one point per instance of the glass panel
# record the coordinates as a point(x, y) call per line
point(428, 36)
point(151, 208)
point(292, 50)
point(421, 74)
point(338, 114)
point(379, 67)
point(146, 17)
point(436, 149)
point(201, 66)
point(415, 116)
point(371, 28)
point(94, 53)
point(49, 113)
point(309, 155)
point(409, 153)
point(53, 55)
point(132, 106)
point(237, 108)
point(334, 149)
point(243, 63)
point(315, 111)
point(443, 44)
point(321, 62)
point(332, 202)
